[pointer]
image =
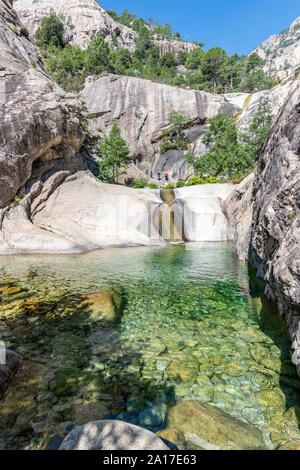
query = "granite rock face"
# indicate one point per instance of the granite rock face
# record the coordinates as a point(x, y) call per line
point(174, 47)
point(83, 19)
point(142, 110)
point(275, 233)
point(40, 122)
point(263, 212)
point(282, 52)
point(112, 435)
point(238, 208)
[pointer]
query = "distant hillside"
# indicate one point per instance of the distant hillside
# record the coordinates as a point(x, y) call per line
point(85, 19)
point(282, 52)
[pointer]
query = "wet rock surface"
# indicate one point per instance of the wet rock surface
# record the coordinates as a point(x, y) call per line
point(8, 370)
point(210, 428)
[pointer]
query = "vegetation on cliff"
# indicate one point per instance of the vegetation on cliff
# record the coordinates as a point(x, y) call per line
point(233, 154)
point(115, 156)
point(212, 71)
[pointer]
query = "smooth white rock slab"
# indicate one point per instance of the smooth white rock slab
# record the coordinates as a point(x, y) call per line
point(202, 214)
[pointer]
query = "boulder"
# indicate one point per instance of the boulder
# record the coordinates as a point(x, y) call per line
point(210, 428)
point(103, 305)
point(93, 215)
point(200, 208)
point(111, 435)
point(9, 369)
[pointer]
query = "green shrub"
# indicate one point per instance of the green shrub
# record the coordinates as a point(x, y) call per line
point(170, 186)
point(211, 180)
point(180, 184)
point(174, 138)
point(51, 32)
point(153, 186)
point(209, 71)
point(140, 183)
point(195, 181)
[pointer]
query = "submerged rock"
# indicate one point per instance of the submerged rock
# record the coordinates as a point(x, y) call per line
point(104, 305)
point(153, 416)
point(211, 428)
point(112, 435)
point(292, 445)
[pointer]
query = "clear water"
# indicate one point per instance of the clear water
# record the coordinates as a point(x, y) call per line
point(180, 323)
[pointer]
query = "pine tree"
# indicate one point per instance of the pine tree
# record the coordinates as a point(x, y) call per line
point(115, 156)
point(51, 32)
point(255, 136)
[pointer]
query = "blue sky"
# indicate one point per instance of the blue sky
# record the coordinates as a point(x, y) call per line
point(236, 25)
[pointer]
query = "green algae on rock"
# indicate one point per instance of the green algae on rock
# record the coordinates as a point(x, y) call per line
point(211, 428)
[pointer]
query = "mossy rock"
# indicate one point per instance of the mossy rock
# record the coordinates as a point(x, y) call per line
point(211, 427)
point(90, 410)
point(104, 305)
point(292, 445)
point(271, 398)
point(184, 371)
point(11, 290)
point(234, 370)
point(64, 382)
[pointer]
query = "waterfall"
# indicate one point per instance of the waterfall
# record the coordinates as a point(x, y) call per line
point(170, 221)
point(194, 214)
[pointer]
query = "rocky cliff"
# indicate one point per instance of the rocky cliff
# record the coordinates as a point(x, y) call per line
point(142, 110)
point(83, 19)
point(275, 236)
point(174, 47)
point(40, 122)
point(264, 213)
point(282, 52)
point(49, 201)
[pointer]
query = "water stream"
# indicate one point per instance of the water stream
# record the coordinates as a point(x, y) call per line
point(129, 333)
point(171, 220)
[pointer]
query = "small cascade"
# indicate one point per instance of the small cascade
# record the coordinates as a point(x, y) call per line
point(170, 220)
point(245, 107)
